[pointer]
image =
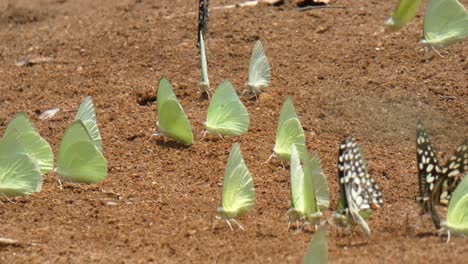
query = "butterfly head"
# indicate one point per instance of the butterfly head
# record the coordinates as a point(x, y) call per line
point(226, 214)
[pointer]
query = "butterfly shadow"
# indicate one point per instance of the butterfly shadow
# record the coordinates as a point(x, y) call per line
point(170, 144)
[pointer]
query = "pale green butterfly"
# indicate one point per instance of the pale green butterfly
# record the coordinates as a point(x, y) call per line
point(32, 143)
point(359, 193)
point(404, 12)
point(445, 23)
point(79, 160)
point(317, 253)
point(19, 174)
point(259, 70)
point(457, 213)
point(172, 121)
point(226, 113)
point(289, 132)
point(205, 82)
point(238, 190)
point(309, 189)
point(87, 115)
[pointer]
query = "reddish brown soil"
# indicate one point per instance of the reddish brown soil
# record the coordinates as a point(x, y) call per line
point(346, 76)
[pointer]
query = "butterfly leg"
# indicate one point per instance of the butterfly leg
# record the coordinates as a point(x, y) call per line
point(204, 134)
point(8, 199)
point(229, 224)
point(217, 218)
point(60, 184)
point(244, 92)
point(438, 52)
point(238, 224)
point(155, 134)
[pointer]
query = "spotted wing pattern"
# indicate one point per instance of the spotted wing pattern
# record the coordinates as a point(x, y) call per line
point(428, 168)
point(448, 180)
point(202, 18)
point(437, 183)
point(358, 190)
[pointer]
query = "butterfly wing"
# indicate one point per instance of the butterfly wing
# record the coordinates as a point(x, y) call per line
point(226, 113)
point(205, 82)
point(311, 206)
point(21, 128)
point(173, 122)
point(297, 184)
point(456, 165)
point(87, 115)
point(165, 92)
point(36, 147)
point(428, 164)
point(404, 12)
point(10, 145)
point(457, 214)
point(259, 69)
point(202, 18)
point(19, 175)
point(359, 191)
point(320, 183)
point(287, 112)
point(21, 123)
point(428, 168)
point(317, 253)
point(445, 23)
point(290, 133)
point(238, 190)
point(79, 160)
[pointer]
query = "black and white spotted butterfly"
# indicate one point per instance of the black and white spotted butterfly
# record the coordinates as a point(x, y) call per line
point(437, 183)
point(359, 193)
point(202, 18)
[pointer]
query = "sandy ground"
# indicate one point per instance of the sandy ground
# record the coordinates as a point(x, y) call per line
point(347, 77)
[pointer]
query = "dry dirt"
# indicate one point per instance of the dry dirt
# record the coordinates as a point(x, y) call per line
point(346, 75)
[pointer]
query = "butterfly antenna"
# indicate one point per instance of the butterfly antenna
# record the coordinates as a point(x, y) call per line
point(271, 156)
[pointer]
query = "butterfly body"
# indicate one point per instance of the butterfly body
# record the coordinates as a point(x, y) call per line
point(457, 213)
point(445, 23)
point(19, 172)
point(204, 82)
point(359, 193)
point(404, 12)
point(288, 133)
point(259, 70)
point(238, 195)
point(437, 183)
point(203, 6)
point(79, 160)
point(87, 115)
point(309, 189)
point(226, 113)
point(172, 121)
point(317, 252)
